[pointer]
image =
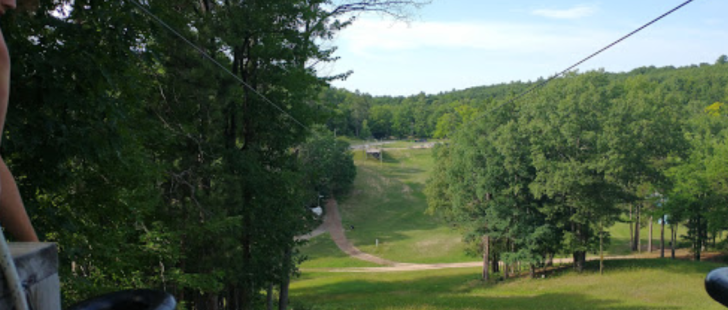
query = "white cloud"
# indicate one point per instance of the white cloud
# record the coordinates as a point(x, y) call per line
point(572, 13)
point(369, 38)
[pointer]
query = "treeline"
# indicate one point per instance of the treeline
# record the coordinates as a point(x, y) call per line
point(364, 116)
point(150, 166)
point(549, 174)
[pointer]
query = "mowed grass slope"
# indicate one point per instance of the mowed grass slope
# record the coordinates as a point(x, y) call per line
point(627, 284)
point(387, 203)
point(322, 252)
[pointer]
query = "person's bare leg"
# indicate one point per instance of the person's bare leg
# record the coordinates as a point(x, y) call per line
point(12, 211)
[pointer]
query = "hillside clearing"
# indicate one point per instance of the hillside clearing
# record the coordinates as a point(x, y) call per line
point(628, 284)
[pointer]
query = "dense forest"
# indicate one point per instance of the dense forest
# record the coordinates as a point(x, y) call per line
point(182, 166)
point(152, 167)
point(436, 115)
point(548, 174)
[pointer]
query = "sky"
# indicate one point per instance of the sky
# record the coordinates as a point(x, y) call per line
point(456, 44)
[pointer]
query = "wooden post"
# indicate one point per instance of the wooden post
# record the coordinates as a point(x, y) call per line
point(649, 243)
point(662, 237)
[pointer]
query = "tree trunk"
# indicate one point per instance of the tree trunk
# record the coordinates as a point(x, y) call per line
point(269, 297)
point(494, 264)
point(662, 237)
point(698, 244)
point(532, 271)
point(637, 241)
point(601, 250)
point(285, 281)
point(506, 265)
point(649, 242)
point(486, 255)
point(631, 230)
point(673, 233)
point(233, 302)
point(579, 258)
point(199, 301)
point(211, 301)
point(549, 259)
point(514, 266)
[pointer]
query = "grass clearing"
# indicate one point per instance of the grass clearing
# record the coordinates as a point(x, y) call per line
point(627, 284)
point(322, 252)
point(387, 203)
point(620, 238)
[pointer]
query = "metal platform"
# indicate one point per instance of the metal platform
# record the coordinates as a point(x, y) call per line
point(37, 264)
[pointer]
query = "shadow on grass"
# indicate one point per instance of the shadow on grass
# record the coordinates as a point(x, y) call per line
point(402, 172)
point(543, 301)
point(665, 264)
point(444, 292)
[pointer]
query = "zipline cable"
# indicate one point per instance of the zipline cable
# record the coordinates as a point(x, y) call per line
point(544, 82)
point(517, 97)
point(210, 58)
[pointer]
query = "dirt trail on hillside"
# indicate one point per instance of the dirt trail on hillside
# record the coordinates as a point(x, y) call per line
point(315, 233)
point(332, 224)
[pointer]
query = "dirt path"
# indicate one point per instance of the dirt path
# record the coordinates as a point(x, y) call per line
point(332, 224)
point(416, 267)
point(315, 233)
point(332, 221)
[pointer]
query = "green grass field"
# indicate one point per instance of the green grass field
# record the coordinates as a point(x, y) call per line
point(387, 203)
point(620, 238)
point(322, 252)
point(627, 284)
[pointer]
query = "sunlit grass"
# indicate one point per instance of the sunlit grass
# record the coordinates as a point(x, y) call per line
point(629, 284)
point(322, 252)
point(387, 203)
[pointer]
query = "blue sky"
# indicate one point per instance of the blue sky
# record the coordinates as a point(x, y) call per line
point(456, 44)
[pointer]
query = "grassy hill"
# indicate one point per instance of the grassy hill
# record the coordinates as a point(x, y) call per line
point(626, 285)
point(387, 203)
